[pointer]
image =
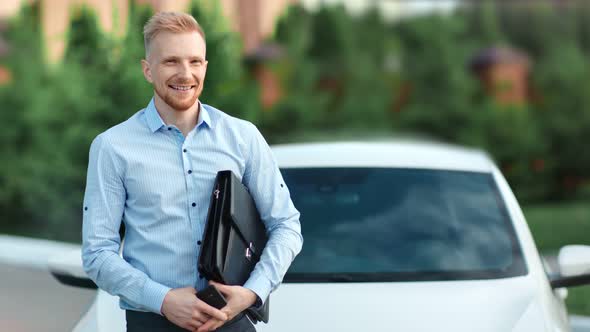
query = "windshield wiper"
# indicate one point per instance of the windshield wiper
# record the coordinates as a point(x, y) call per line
point(328, 277)
point(325, 277)
point(342, 277)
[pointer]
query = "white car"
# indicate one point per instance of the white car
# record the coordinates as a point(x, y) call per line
point(399, 236)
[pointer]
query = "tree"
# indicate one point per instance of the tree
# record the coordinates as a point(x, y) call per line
point(98, 84)
point(63, 117)
point(444, 94)
point(25, 62)
point(483, 25)
point(565, 113)
point(226, 84)
point(337, 72)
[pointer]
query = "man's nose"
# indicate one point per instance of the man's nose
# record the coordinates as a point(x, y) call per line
point(184, 70)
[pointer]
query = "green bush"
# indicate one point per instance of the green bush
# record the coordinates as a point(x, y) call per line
point(430, 91)
point(25, 62)
point(341, 75)
point(56, 111)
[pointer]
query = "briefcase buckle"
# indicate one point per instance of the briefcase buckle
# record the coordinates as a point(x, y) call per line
point(249, 251)
point(216, 193)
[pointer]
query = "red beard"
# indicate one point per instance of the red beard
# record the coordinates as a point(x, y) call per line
point(177, 99)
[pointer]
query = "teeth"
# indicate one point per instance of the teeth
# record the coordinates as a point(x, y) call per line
point(182, 88)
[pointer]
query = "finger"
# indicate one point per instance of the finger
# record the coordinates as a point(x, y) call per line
point(227, 310)
point(193, 325)
point(218, 285)
point(209, 310)
point(224, 289)
point(207, 326)
point(218, 325)
point(200, 318)
point(192, 290)
point(190, 326)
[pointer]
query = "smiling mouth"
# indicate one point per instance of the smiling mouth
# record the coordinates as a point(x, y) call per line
point(181, 87)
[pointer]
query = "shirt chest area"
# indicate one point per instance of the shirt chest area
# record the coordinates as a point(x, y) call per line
point(166, 169)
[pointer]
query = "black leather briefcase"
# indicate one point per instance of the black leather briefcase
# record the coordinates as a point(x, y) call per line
point(234, 237)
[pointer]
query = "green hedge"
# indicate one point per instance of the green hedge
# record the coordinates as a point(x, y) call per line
point(52, 112)
point(342, 76)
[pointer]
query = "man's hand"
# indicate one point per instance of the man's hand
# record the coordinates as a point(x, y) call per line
point(238, 299)
point(182, 307)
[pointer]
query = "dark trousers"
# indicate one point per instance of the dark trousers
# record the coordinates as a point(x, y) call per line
point(149, 322)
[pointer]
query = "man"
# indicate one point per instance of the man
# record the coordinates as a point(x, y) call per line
point(155, 172)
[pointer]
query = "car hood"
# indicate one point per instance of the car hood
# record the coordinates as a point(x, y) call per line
point(460, 306)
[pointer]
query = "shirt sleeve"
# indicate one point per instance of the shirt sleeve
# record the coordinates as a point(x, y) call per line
point(104, 202)
point(271, 195)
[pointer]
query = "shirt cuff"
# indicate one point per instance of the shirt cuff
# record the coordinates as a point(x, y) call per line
point(260, 285)
point(153, 296)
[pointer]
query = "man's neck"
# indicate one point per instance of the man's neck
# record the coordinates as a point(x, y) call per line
point(185, 121)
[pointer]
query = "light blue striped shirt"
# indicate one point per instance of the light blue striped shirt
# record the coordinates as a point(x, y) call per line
point(159, 183)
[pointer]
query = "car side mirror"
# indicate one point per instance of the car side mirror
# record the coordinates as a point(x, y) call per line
point(67, 269)
point(574, 267)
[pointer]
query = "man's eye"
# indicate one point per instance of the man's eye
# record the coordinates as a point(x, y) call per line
point(170, 61)
point(197, 62)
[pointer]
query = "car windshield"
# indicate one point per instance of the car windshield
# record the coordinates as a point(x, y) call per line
point(391, 224)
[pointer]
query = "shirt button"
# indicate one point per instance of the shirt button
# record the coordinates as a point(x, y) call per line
point(200, 276)
point(169, 128)
point(184, 150)
point(189, 171)
point(194, 204)
point(85, 208)
point(199, 242)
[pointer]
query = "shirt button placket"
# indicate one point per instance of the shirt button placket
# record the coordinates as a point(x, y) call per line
point(189, 183)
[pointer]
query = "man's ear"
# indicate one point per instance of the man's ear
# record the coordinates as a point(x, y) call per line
point(147, 73)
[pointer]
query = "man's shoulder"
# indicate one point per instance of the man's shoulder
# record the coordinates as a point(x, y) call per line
point(126, 128)
point(121, 132)
point(229, 122)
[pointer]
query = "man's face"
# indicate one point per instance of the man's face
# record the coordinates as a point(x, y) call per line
point(176, 67)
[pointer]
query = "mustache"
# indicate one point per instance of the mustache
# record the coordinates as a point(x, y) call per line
point(183, 81)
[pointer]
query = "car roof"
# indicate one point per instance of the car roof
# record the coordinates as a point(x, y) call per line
point(396, 154)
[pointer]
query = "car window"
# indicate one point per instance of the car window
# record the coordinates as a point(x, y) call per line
point(377, 224)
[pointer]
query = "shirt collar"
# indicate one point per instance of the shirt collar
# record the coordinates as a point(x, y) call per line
point(152, 117)
point(155, 122)
point(204, 116)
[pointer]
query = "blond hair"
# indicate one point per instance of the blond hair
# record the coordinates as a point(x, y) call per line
point(169, 21)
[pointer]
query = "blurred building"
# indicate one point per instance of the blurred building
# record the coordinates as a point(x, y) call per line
point(4, 73)
point(10, 7)
point(7, 9)
point(504, 73)
point(254, 20)
point(258, 65)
